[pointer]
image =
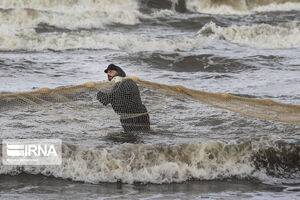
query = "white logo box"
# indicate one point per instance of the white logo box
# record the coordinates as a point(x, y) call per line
point(31, 151)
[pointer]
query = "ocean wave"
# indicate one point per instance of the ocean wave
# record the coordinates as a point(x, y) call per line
point(187, 62)
point(285, 35)
point(71, 6)
point(241, 7)
point(68, 14)
point(19, 14)
point(32, 41)
point(163, 163)
point(174, 5)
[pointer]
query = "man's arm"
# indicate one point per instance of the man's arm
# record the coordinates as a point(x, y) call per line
point(104, 98)
point(121, 91)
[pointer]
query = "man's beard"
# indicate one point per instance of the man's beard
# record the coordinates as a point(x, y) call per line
point(110, 77)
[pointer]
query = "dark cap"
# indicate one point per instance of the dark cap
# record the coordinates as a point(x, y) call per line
point(116, 68)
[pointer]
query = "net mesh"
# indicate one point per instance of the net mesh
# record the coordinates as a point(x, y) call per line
point(107, 106)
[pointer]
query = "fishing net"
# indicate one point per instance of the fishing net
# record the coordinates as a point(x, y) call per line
point(129, 104)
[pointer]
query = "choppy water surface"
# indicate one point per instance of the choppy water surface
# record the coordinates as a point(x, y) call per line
point(247, 48)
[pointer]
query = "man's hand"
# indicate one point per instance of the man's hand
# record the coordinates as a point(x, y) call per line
point(103, 98)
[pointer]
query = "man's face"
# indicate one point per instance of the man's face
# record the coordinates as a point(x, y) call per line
point(111, 74)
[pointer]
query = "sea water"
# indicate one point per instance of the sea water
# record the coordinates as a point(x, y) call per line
point(247, 48)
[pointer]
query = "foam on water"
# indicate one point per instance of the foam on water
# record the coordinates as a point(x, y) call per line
point(240, 7)
point(22, 19)
point(68, 14)
point(262, 36)
point(72, 6)
point(163, 163)
point(94, 14)
point(32, 41)
point(266, 36)
point(163, 13)
point(27, 18)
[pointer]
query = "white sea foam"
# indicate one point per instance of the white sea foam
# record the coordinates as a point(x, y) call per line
point(68, 14)
point(278, 7)
point(72, 6)
point(89, 14)
point(158, 163)
point(30, 40)
point(262, 36)
point(206, 6)
point(240, 7)
point(164, 163)
point(163, 13)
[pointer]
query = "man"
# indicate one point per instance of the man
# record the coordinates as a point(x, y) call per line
point(126, 101)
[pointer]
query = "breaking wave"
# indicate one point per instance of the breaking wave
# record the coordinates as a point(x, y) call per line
point(33, 41)
point(67, 14)
point(58, 25)
point(20, 14)
point(241, 7)
point(262, 36)
point(163, 163)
